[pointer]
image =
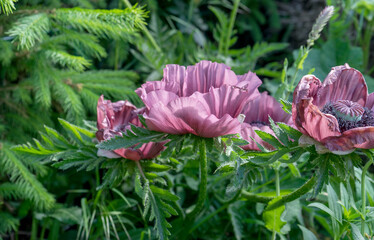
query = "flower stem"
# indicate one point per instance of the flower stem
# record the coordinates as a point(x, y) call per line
point(231, 25)
point(363, 193)
point(277, 184)
point(203, 182)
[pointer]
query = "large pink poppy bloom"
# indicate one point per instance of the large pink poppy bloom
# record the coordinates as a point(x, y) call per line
point(115, 118)
point(337, 113)
point(257, 113)
point(204, 99)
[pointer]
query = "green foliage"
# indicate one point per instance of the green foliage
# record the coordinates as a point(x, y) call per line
point(7, 6)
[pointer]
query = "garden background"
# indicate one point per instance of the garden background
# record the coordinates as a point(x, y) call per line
point(57, 57)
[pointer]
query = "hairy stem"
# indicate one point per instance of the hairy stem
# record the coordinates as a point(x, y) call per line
point(203, 182)
point(305, 188)
point(363, 193)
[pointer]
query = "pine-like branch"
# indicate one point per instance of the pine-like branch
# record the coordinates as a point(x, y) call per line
point(29, 30)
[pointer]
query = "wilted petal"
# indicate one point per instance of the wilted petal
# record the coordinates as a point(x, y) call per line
point(311, 121)
point(113, 115)
point(362, 137)
point(343, 83)
point(370, 101)
point(306, 89)
point(204, 75)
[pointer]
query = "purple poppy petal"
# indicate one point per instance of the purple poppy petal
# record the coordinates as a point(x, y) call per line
point(343, 83)
point(370, 101)
point(249, 81)
point(259, 110)
point(158, 96)
point(311, 121)
point(362, 137)
point(204, 75)
point(306, 89)
point(213, 127)
point(174, 75)
point(113, 115)
point(225, 100)
point(167, 119)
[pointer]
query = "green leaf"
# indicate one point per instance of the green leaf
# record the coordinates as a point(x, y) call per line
point(273, 218)
point(323, 208)
point(136, 136)
point(267, 137)
point(164, 194)
point(356, 234)
point(307, 234)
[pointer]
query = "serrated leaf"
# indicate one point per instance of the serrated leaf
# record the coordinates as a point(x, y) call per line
point(164, 194)
point(292, 133)
point(154, 167)
point(138, 135)
point(267, 137)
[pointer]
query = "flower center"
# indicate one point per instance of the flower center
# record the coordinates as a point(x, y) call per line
point(349, 114)
point(259, 124)
point(348, 110)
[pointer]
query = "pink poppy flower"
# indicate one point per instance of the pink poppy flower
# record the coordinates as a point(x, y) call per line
point(257, 114)
point(115, 118)
point(337, 113)
point(204, 99)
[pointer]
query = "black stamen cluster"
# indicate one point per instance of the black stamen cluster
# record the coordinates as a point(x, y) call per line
point(259, 123)
point(367, 118)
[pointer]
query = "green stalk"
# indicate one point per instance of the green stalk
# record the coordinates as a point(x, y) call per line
point(363, 193)
point(277, 192)
point(203, 182)
point(231, 24)
point(145, 31)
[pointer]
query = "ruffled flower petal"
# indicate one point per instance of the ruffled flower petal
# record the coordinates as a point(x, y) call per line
point(113, 115)
point(259, 110)
point(370, 102)
point(362, 137)
point(204, 75)
point(311, 121)
point(343, 83)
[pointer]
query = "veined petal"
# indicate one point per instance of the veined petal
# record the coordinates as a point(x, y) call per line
point(362, 137)
point(343, 83)
point(157, 96)
point(259, 110)
point(148, 87)
point(211, 126)
point(225, 100)
point(306, 89)
point(311, 121)
point(113, 115)
point(204, 75)
point(249, 81)
point(370, 101)
point(174, 75)
point(162, 119)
